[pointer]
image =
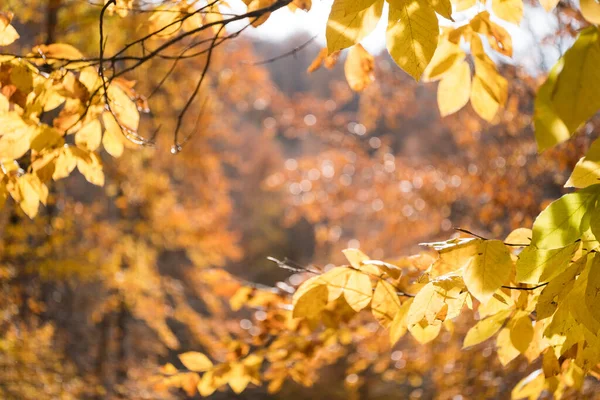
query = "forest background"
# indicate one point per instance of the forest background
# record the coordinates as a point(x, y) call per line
point(106, 284)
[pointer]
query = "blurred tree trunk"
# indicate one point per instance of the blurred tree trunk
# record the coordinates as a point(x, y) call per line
point(52, 20)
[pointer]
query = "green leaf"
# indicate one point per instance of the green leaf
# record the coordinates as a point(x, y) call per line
point(564, 220)
point(571, 94)
point(587, 170)
point(540, 265)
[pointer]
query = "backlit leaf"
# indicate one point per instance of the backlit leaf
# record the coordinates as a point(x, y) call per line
point(412, 35)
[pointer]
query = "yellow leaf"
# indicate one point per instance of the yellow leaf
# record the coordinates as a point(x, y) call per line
point(508, 10)
point(238, 378)
point(385, 303)
point(359, 68)
point(550, 364)
point(488, 269)
point(454, 89)
point(482, 100)
point(530, 387)
point(504, 347)
point(399, 325)
point(557, 289)
point(195, 361)
point(549, 4)
point(15, 137)
point(538, 265)
point(32, 191)
point(425, 333)
point(412, 35)
point(592, 290)
point(90, 167)
point(350, 21)
point(521, 333)
point(258, 5)
point(311, 302)
point(498, 37)
point(207, 385)
point(89, 136)
point(8, 34)
point(462, 5)
point(65, 163)
point(485, 329)
point(587, 170)
point(590, 9)
point(520, 236)
point(442, 7)
point(446, 56)
point(58, 53)
point(358, 291)
point(112, 140)
point(355, 257)
point(124, 108)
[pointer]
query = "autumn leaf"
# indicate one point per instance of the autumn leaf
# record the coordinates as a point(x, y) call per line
point(412, 35)
point(350, 22)
point(195, 361)
point(359, 68)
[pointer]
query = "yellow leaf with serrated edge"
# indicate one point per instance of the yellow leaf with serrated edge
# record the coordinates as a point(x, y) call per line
point(508, 10)
point(488, 269)
point(539, 265)
point(412, 35)
point(425, 333)
point(112, 140)
point(350, 21)
point(65, 163)
point(521, 332)
point(399, 325)
point(89, 136)
point(454, 89)
point(558, 287)
point(504, 347)
point(8, 33)
point(358, 291)
point(485, 329)
point(587, 170)
point(195, 361)
point(564, 220)
point(385, 303)
point(359, 68)
point(446, 56)
point(590, 9)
